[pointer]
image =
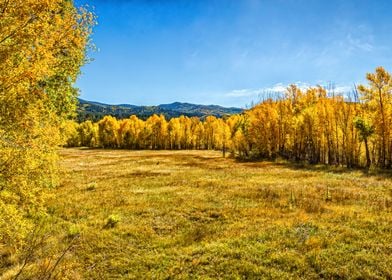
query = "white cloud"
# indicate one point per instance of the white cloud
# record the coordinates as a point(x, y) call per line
point(280, 88)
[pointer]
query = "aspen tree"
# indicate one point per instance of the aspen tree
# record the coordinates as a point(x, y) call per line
point(377, 98)
point(42, 47)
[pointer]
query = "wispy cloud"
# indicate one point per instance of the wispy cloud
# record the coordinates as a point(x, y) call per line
point(359, 43)
point(344, 43)
point(246, 92)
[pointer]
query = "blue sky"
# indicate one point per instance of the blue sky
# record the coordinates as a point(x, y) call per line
point(227, 52)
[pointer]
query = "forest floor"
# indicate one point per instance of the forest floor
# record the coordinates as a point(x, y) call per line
point(194, 214)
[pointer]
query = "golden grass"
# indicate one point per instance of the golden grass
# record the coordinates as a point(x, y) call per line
point(193, 214)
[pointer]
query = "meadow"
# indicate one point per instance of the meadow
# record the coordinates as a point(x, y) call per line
point(196, 215)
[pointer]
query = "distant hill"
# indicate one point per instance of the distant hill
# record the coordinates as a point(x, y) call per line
point(90, 110)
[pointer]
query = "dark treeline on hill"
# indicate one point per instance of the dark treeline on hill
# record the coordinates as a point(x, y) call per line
point(95, 111)
point(302, 125)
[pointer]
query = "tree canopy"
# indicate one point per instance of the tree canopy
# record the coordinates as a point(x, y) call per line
point(42, 47)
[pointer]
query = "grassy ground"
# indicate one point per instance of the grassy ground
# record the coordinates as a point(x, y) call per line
point(193, 214)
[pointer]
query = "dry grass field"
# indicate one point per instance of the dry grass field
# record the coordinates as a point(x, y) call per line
point(196, 215)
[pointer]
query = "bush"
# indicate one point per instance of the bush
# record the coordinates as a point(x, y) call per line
point(112, 221)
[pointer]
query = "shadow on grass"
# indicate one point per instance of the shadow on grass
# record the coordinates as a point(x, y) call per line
point(203, 161)
point(335, 169)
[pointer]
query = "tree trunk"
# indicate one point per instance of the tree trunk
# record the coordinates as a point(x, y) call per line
point(368, 160)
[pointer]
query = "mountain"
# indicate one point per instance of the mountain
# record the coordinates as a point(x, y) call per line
point(90, 110)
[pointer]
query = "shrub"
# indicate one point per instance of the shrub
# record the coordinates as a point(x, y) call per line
point(73, 231)
point(92, 186)
point(112, 221)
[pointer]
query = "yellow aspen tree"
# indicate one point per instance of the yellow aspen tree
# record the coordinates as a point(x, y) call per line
point(185, 131)
point(42, 47)
point(124, 134)
point(175, 133)
point(198, 132)
point(194, 141)
point(238, 140)
point(108, 129)
point(70, 132)
point(137, 128)
point(159, 131)
point(188, 133)
point(86, 133)
point(239, 144)
point(263, 129)
point(377, 100)
point(209, 132)
point(222, 136)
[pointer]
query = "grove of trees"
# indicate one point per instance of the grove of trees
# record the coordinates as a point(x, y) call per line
point(311, 125)
point(154, 133)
